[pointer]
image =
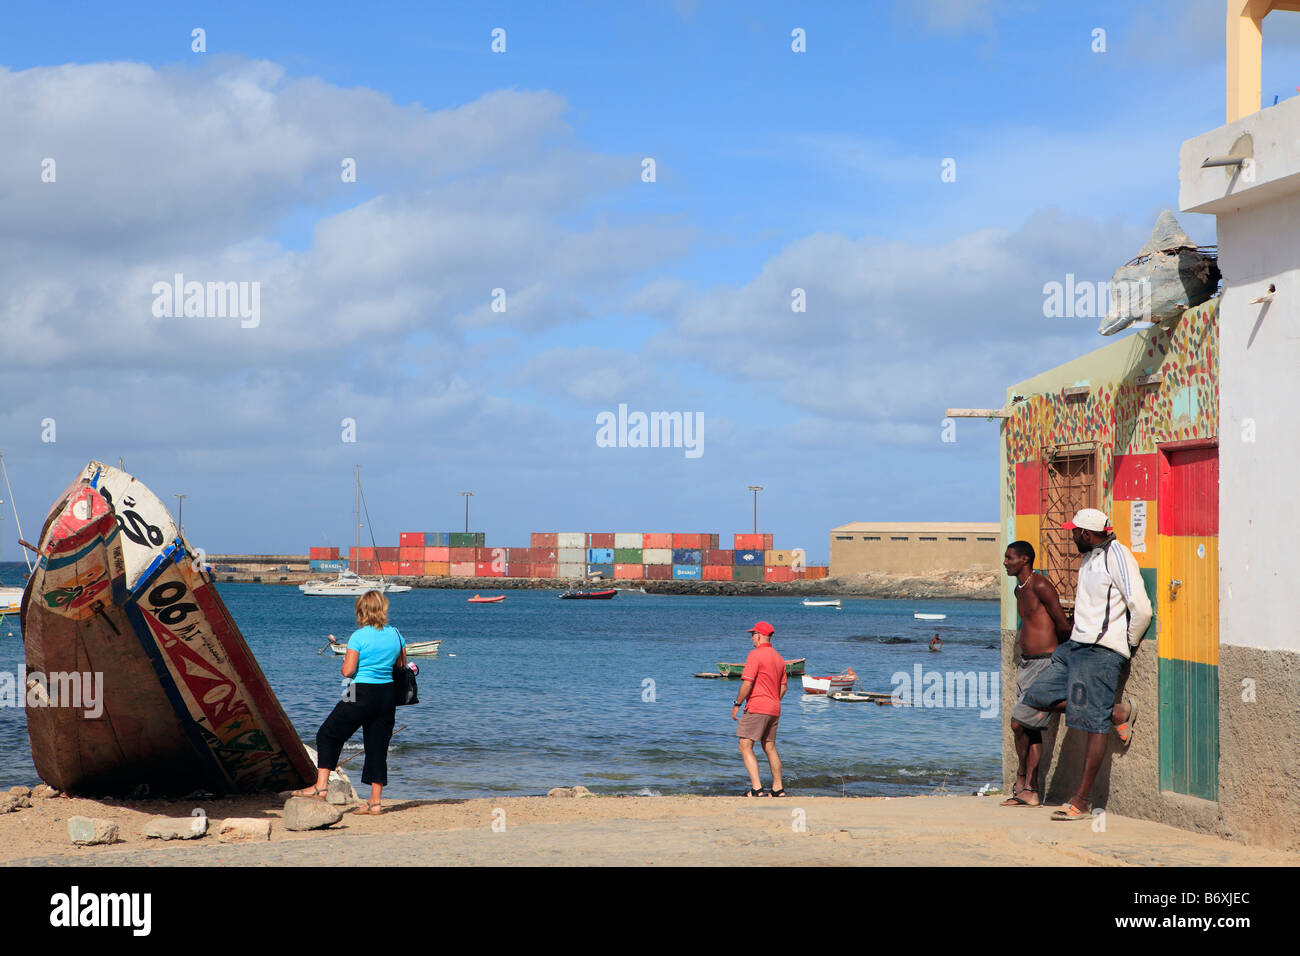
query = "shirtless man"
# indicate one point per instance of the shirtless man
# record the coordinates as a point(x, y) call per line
point(1043, 626)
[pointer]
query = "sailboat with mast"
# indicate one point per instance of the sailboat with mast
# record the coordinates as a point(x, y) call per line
point(11, 599)
point(349, 583)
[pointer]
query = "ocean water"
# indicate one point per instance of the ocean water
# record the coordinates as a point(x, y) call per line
point(536, 692)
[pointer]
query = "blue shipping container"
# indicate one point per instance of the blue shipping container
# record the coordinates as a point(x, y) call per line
point(320, 564)
point(686, 556)
point(437, 539)
point(687, 572)
point(600, 555)
point(749, 559)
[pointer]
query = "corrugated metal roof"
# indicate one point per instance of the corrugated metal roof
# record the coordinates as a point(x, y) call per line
point(923, 527)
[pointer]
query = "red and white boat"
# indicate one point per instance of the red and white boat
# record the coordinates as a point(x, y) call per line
point(831, 684)
point(485, 600)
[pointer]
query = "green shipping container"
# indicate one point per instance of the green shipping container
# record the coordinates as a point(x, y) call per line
point(627, 555)
point(470, 539)
point(742, 573)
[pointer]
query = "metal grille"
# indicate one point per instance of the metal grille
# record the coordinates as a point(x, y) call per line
point(1069, 483)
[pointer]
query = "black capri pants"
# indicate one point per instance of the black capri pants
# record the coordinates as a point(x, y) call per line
point(374, 709)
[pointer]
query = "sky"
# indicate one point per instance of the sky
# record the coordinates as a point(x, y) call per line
point(461, 256)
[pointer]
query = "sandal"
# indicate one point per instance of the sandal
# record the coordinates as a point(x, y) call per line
point(1070, 812)
point(369, 810)
point(1015, 800)
point(760, 792)
point(317, 793)
point(777, 793)
point(1125, 729)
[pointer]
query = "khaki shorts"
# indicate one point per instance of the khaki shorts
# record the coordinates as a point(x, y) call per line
point(761, 727)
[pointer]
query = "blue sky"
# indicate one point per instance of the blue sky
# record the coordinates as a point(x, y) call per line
point(521, 170)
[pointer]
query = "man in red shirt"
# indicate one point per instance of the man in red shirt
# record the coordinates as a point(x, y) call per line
point(762, 685)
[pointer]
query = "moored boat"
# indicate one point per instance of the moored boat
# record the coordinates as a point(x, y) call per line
point(413, 649)
point(929, 617)
point(830, 684)
point(572, 595)
point(485, 600)
point(793, 668)
point(119, 605)
point(835, 603)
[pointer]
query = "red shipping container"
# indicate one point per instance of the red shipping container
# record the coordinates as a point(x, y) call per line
point(411, 539)
point(658, 572)
point(410, 567)
point(544, 556)
point(629, 572)
point(688, 541)
point(717, 572)
point(600, 539)
point(319, 554)
point(710, 541)
point(778, 574)
point(461, 555)
point(545, 570)
point(720, 557)
point(365, 554)
point(367, 567)
point(521, 555)
point(389, 567)
point(818, 572)
point(543, 539)
point(390, 554)
point(753, 542)
point(516, 570)
point(437, 554)
point(410, 554)
point(489, 569)
point(462, 569)
point(656, 540)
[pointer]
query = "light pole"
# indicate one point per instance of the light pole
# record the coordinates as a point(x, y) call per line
point(468, 495)
point(755, 489)
point(180, 512)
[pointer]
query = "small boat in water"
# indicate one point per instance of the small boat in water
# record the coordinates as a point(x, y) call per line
point(11, 601)
point(485, 600)
point(831, 684)
point(929, 617)
point(835, 603)
point(793, 668)
point(413, 649)
point(575, 595)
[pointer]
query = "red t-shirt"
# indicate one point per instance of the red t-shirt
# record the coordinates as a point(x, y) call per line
point(765, 667)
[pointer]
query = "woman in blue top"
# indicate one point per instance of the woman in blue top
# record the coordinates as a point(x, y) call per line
point(369, 703)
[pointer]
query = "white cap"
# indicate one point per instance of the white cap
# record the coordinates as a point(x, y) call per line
point(1089, 519)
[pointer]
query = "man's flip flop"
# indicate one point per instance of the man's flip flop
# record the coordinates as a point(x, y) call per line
point(1070, 812)
point(1015, 801)
point(1125, 730)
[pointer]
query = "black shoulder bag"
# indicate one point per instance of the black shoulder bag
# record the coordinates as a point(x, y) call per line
point(404, 684)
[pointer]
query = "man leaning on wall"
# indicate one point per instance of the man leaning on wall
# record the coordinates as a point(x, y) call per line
point(1111, 614)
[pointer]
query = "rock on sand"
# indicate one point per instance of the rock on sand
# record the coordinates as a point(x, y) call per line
point(306, 813)
point(90, 831)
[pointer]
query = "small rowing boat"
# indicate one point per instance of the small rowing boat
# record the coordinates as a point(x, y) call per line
point(929, 617)
point(485, 600)
point(793, 668)
point(831, 684)
point(835, 603)
point(572, 595)
point(413, 649)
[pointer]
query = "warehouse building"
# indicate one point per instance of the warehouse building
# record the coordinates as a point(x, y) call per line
point(900, 547)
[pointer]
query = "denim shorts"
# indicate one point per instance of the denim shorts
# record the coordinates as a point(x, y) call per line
point(1085, 676)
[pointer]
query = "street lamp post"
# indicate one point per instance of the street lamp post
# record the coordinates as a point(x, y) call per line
point(468, 495)
point(755, 489)
point(180, 512)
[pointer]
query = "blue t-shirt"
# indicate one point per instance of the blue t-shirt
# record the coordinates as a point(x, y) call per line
point(378, 652)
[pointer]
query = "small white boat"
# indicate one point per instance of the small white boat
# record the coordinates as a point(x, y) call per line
point(413, 649)
point(929, 617)
point(835, 603)
point(350, 584)
point(831, 684)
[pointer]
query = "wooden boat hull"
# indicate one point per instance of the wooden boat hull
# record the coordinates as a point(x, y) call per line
point(588, 595)
point(793, 668)
point(185, 706)
point(413, 649)
point(829, 684)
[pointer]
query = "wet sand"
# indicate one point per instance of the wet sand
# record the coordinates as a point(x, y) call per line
point(636, 831)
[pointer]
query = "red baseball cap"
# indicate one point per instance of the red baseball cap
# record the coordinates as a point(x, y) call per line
point(762, 627)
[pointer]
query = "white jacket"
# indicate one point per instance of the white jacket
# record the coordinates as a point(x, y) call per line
point(1111, 606)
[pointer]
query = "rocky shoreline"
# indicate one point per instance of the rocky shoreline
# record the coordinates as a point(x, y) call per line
point(938, 585)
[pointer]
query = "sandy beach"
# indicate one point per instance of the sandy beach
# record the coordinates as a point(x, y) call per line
point(632, 831)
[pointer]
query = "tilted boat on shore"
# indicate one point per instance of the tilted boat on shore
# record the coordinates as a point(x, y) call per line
point(119, 600)
point(793, 668)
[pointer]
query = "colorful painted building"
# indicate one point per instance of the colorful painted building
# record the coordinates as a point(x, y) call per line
point(1132, 429)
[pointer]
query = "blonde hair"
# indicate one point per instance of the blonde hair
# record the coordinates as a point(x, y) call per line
point(372, 610)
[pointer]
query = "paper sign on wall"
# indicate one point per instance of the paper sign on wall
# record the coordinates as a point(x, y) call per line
point(1137, 523)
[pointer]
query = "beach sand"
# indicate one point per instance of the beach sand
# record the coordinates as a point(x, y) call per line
point(635, 831)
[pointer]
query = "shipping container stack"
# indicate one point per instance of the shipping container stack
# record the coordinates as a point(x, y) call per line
point(617, 556)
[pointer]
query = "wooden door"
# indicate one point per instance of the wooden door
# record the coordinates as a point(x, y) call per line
point(1188, 644)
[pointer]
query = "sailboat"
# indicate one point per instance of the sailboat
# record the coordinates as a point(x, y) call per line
point(349, 583)
point(11, 599)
